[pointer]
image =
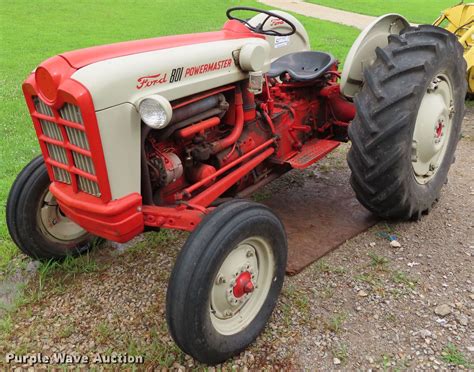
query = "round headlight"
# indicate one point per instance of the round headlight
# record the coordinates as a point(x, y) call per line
point(155, 111)
point(47, 85)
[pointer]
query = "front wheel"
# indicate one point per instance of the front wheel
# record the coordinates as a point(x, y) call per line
point(226, 281)
point(408, 122)
point(35, 221)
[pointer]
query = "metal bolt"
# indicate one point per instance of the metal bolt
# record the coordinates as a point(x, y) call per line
point(220, 279)
point(452, 110)
point(54, 221)
point(249, 253)
point(228, 313)
point(414, 155)
point(434, 85)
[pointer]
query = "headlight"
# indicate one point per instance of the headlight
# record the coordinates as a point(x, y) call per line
point(46, 84)
point(155, 111)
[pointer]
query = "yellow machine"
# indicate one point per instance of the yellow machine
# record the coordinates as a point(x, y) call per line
point(460, 21)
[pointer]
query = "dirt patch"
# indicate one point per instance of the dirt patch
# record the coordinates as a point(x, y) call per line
point(366, 305)
point(319, 213)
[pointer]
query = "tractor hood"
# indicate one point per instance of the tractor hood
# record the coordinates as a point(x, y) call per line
point(174, 67)
point(83, 57)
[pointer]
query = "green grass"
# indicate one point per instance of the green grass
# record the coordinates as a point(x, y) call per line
point(335, 323)
point(451, 355)
point(417, 11)
point(341, 352)
point(32, 31)
point(377, 261)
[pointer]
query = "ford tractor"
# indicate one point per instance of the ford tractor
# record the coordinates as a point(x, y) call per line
point(176, 132)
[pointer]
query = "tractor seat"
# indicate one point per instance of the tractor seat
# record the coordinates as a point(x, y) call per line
point(302, 66)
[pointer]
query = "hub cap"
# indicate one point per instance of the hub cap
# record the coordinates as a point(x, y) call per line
point(432, 129)
point(54, 223)
point(241, 285)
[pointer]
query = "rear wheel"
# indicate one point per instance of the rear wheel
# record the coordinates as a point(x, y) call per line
point(408, 122)
point(35, 221)
point(226, 281)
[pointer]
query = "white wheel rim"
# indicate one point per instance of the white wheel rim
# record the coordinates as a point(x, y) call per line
point(54, 223)
point(432, 129)
point(250, 268)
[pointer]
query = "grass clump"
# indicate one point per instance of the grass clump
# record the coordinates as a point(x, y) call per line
point(451, 355)
point(335, 323)
point(378, 262)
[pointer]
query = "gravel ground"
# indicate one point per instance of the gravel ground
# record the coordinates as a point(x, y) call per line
point(366, 305)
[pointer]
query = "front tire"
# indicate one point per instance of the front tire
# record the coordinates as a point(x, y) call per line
point(226, 281)
point(35, 221)
point(408, 122)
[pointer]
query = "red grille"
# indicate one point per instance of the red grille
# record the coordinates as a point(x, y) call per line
point(68, 151)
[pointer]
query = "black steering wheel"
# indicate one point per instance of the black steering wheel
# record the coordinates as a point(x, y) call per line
point(259, 28)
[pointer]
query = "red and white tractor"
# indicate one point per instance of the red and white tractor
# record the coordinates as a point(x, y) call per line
point(174, 132)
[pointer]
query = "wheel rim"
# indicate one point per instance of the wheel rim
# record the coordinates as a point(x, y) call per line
point(54, 223)
point(432, 129)
point(241, 285)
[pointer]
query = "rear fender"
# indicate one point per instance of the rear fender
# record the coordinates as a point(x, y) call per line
point(282, 45)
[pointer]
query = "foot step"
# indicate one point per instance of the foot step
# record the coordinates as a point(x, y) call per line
point(311, 152)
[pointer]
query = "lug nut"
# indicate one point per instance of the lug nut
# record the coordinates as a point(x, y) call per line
point(220, 279)
point(249, 253)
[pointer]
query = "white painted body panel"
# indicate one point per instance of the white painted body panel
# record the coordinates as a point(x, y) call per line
point(119, 128)
point(115, 81)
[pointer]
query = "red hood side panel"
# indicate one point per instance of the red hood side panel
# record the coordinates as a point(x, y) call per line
point(83, 57)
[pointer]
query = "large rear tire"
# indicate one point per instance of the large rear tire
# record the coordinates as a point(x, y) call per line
point(35, 221)
point(226, 281)
point(408, 122)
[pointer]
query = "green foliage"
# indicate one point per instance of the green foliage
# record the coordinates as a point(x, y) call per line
point(400, 277)
point(341, 352)
point(334, 323)
point(453, 356)
point(69, 267)
point(6, 324)
point(418, 11)
point(377, 261)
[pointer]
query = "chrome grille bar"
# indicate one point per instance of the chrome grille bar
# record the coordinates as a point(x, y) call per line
point(77, 138)
point(88, 186)
point(57, 153)
point(51, 130)
point(83, 162)
point(71, 113)
point(61, 175)
point(61, 152)
point(42, 108)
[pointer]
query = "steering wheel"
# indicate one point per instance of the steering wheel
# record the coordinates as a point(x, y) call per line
point(259, 28)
